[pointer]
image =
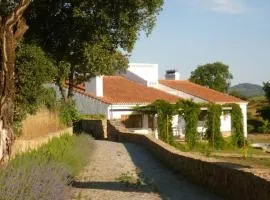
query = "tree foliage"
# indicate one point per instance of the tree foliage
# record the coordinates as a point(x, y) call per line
point(266, 88)
point(33, 70)
point(213, 75)
point(7, 6)
point(12, 30)
point(93, 37)
point(265, 110)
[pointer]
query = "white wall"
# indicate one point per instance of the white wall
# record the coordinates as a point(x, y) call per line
point(243, 107)
point(180, 93)
point(115, 111)
point(95, 86)
point(225, 122)
point(146, 74)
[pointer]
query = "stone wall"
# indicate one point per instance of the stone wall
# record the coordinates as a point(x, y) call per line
point(21, 145)
point(97, 128)
point(231, 183)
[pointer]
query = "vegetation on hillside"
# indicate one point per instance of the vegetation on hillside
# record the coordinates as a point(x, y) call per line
point(247, 90)
point(259, 112)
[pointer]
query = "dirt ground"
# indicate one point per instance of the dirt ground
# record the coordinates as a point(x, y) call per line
point(127, 171)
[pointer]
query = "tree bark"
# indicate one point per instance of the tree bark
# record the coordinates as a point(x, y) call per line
point(62, 91)
point(70, 83)
point(12, 29)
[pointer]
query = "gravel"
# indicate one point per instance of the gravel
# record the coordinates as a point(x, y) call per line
point(127, 171)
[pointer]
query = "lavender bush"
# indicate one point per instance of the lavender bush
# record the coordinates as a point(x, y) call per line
point(42, 182)
point(45, 174)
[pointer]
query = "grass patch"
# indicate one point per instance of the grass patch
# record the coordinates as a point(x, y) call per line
point(247, 156)
point(129, 178)
point(45, 173)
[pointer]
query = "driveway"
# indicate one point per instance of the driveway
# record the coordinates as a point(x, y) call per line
point(127, 171)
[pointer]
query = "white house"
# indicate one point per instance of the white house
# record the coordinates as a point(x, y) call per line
point(116, 97)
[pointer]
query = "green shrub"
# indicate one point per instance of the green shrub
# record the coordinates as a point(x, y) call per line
point(68, 113)
point(250, 128)
point(256, 123)
point(70, 151)
point(34, 181)
point(49, 98)
point(96, 116)
point(45, 173)
point(265, 127)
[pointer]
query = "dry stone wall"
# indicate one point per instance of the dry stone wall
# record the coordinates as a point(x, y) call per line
point(228, 182)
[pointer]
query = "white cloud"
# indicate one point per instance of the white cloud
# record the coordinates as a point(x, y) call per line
point(223, 6)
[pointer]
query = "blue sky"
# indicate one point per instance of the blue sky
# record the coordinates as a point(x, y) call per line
point(193, 32)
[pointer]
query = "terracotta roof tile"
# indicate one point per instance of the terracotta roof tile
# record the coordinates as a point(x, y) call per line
point(118, 89)
point(200, 91)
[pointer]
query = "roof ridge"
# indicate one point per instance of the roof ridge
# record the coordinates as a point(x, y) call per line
point(151, 88)
point(202, 87)
point(213, 90)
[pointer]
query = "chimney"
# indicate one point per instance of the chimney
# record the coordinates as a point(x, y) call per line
point(172, 75)
point(95, 86)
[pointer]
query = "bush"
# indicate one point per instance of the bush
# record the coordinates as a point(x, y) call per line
point(49, 98)
point(46, 172)
point(68, 113)
point(256, 123)
point(70, 151)
point(95, 117)
point(264, 112)
point(250, 128)
point(265, 127)
point(34, 181)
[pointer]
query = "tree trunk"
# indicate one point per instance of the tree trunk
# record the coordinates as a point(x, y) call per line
point(62, 92)
point(7, 92)
point(12, 29)
point(70, 83)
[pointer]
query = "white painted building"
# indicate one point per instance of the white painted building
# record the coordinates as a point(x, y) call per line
point(116, 97)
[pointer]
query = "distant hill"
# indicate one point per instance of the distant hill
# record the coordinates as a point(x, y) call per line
point(248, 89)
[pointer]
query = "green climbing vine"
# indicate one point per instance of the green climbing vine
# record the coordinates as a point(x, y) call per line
point(164, 111)
point(238, 138)
point(190, 112)
point(213, 132)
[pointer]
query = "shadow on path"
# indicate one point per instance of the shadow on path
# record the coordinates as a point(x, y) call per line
point(169, 184)
point(117, 186)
